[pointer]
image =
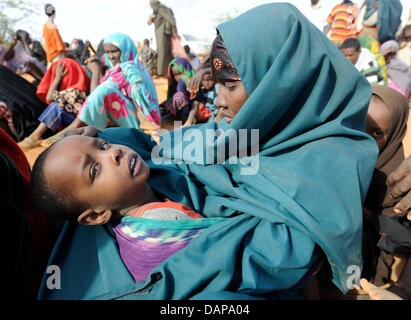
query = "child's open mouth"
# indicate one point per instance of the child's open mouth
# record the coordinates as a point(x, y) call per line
point(133, 164)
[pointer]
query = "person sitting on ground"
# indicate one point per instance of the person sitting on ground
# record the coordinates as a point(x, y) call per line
point(19, 100)
point(148, 55)
point(78, 51)
point(387, 236)
point(126, 95)
point(64, 87)
point(363, 60)
point(179, 74)
point(111, 187)
point(20, 57)
point(204, 102)
point(194, 59)
point(399, 73)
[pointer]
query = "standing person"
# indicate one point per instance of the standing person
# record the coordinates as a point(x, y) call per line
point(404, 53)
point(315, 13)
point(380, 19)
point(54, 45)
point(342, 22)
point(165, 29)
point(148, 55)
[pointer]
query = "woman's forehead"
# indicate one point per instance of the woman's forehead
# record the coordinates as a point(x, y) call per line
point(110, 47)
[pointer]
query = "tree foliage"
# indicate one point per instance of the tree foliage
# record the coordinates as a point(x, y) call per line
point(225, 17)
point(11, 13)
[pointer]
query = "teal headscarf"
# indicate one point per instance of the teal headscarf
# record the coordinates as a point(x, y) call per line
point(127, 47)
point(315, 161)
point(309, 104)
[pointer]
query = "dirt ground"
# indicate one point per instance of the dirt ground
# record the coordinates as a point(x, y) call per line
point(161, 86)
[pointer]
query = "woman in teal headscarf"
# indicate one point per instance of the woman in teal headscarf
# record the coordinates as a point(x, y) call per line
point(126, 95)
point(302, 204)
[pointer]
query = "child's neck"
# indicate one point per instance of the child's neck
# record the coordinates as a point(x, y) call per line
point(148, 197)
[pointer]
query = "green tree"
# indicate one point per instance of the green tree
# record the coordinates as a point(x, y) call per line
point(225, 17)
point(11, 13)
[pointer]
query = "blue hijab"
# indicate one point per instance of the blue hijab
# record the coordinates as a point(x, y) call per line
point(315, 164)
point(127, 47)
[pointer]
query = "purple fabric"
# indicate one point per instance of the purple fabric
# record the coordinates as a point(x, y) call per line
point(141, 256)
point(400, 73)
point(177, 101)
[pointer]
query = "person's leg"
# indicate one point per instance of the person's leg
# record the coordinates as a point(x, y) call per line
point(50, 118)
point(77, 123)
point(34, 139)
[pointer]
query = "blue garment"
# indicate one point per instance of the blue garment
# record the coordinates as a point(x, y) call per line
point(315, 164)
point(53, 116)
point(124, 88)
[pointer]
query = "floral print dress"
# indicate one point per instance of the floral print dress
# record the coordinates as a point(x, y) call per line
point(124, 89)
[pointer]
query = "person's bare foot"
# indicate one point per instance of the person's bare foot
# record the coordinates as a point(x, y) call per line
point(377, 293)
point(28, 143)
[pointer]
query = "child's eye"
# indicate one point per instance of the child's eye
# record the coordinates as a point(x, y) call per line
point(93, 171)
point(103, 145)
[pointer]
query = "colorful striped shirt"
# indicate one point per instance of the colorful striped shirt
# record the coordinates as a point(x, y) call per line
point(343, 19)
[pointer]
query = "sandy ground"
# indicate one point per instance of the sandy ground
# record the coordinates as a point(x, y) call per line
point(161, 86)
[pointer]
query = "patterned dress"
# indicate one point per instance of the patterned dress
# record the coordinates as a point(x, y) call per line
point(125, 90)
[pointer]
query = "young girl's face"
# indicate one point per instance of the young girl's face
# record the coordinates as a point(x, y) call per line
point(378, 121)
point(231, 97)
point(99, 174)
point(176, 73)
point(113, 53)
point(208, 82)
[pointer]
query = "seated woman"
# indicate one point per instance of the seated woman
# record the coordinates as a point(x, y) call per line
point(64, 87)
point(179, 74)
point(126, 95)
point(22, 58)
point(292, 206)
point(387, 236)
point(399, 74)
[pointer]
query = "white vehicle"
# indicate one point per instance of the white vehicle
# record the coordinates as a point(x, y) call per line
point(196, 45)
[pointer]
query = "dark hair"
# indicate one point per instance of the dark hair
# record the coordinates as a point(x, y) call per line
point(351, 43)
point(187, 49)
point(49, 9)
point(314, 2)
point(146, 41)
point(52, 202)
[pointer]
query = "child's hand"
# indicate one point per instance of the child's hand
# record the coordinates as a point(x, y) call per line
point(60, 71)
point(88, 131)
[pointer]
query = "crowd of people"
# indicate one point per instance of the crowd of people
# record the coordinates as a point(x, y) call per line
point(332, 187)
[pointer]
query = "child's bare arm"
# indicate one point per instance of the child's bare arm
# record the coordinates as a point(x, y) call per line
point(191, 115)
